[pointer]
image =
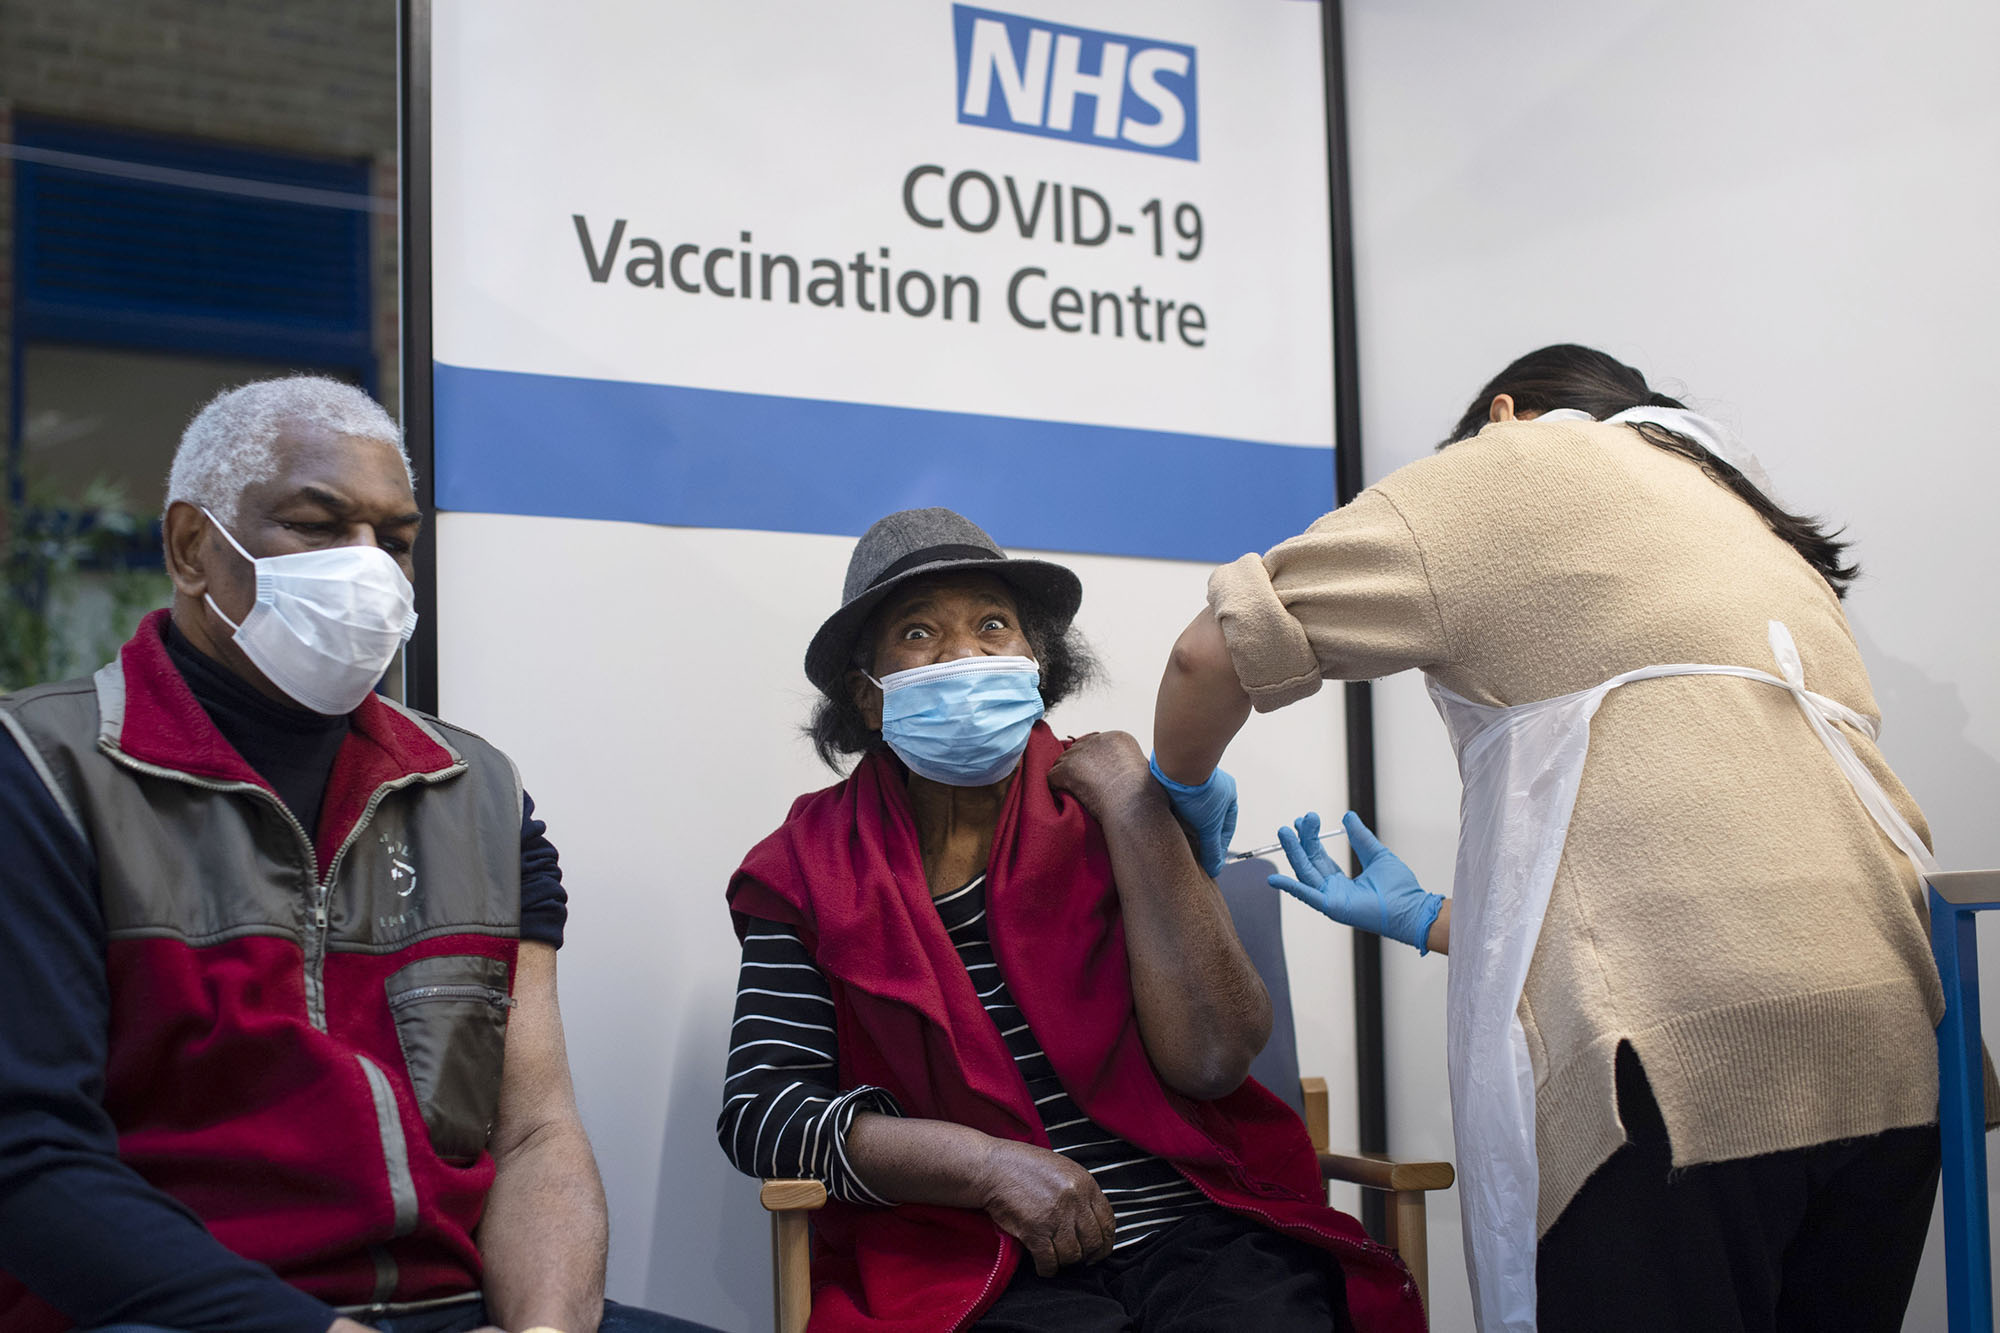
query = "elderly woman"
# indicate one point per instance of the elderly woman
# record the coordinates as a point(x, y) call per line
point(989, 998)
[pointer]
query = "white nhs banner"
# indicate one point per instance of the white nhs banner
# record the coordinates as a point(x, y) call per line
point(887, 278)
point(1029, 76)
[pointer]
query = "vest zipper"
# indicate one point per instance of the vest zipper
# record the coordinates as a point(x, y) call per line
point(452, 991)
point(314, 944)
point(316, 941)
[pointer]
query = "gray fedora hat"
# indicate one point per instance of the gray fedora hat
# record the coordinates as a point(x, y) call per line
point(909, 545)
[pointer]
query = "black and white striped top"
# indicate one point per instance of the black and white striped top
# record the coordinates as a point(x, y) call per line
point(783, 1116)
point(782, 1112)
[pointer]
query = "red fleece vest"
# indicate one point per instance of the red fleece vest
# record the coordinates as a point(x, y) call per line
point(845, 871)
point(226, 1092)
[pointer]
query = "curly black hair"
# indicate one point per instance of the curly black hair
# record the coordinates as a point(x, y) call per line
point(838, 731)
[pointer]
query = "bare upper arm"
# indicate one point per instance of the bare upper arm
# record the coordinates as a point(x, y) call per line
point(536, 1094)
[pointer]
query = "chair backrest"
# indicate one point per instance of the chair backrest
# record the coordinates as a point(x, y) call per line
point(1253, 906)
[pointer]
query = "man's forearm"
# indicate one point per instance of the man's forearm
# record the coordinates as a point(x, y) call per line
point(543, 1235)
point(1203, 1011)
point(1201, 704)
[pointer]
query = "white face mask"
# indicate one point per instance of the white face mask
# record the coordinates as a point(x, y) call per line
point(326, 624)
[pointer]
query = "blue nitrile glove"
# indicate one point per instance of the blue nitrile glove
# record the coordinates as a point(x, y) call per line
point(1386, 898)
point(1210, 810)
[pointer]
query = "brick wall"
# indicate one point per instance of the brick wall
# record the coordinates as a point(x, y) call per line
point(303, 76)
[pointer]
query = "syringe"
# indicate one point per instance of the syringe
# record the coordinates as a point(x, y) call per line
point(1327, 835)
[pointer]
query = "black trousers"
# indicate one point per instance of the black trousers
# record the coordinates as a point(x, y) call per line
point(1826, 1237)
point(1213, 1273)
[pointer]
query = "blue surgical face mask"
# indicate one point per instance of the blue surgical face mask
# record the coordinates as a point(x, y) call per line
point(963, 723)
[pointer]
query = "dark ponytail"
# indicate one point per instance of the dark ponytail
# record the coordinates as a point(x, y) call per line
point(1567, 375)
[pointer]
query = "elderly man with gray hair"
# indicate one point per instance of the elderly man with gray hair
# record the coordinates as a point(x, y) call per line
point(281, 1048)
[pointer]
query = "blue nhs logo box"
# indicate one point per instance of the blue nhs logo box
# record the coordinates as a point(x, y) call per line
point(1060, 82)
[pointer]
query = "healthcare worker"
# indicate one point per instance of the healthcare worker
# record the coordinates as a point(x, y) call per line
point(1691, 999)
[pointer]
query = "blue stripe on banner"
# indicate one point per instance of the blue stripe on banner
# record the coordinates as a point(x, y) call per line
point(562, 447)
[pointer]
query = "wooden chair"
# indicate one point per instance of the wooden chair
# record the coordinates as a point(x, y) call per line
point(1254, 906)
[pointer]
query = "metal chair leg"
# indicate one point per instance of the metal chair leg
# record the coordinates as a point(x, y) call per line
point(1962, 1121)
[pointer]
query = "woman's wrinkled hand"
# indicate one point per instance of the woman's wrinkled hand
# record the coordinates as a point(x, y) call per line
point(1048, 1203)
point(1105, 770)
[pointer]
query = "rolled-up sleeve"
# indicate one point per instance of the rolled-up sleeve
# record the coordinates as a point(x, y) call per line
point(1347, 599)
point(784, 1113)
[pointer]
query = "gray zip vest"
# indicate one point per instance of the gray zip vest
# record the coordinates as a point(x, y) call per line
point(370, 982)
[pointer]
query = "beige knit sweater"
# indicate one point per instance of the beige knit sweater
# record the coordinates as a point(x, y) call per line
point(1724, 902)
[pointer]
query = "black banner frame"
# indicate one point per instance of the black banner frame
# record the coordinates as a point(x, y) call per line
point(1370, 1053)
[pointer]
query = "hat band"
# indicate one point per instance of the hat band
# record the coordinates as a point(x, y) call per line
point(931, 555)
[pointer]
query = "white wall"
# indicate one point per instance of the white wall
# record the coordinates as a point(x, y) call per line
point(1786, 208)
point(661, 751)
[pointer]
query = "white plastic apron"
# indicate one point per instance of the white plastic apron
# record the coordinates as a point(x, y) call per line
point(1521, 767)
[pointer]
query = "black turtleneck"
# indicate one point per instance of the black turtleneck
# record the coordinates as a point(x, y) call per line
point(291, 748)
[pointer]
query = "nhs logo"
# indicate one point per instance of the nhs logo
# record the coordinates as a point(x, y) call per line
point(1101, 88)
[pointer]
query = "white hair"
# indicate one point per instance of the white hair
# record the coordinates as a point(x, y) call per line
point(232, 443)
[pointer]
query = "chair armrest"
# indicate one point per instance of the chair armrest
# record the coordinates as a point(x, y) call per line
point(1967, 888)
point(1378, 1171)
point(792, 1196)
